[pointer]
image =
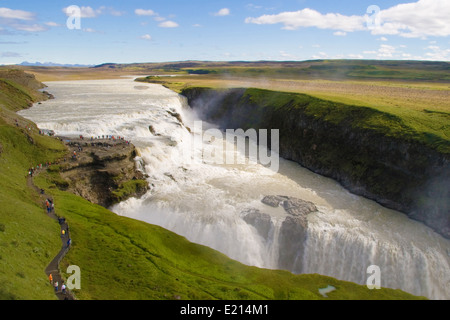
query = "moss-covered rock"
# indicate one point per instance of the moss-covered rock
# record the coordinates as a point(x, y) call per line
point(102, 171)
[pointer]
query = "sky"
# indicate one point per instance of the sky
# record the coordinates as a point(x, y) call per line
point(129, 31)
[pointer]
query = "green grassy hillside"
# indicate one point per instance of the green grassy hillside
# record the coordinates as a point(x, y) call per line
point(28, 239)
point(119, 258)
point(429, 128)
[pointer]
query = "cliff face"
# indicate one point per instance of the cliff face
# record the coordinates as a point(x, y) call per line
point(102, 171)
point(337, 141)
point(19, 90)
point(294, 226)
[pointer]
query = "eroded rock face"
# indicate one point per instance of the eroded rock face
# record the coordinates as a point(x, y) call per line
point(261, 221)
point(293, 230)
point(97, 168)
point(291, 241)
point(393, 170)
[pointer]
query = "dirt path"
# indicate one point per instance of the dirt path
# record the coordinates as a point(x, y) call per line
point(53, 267)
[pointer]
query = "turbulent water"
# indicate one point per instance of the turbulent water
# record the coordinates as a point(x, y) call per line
point(204, 201)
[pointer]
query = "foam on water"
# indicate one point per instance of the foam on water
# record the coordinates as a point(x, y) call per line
point(204, 201)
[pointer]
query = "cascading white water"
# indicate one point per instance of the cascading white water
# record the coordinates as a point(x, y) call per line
point(204, 201)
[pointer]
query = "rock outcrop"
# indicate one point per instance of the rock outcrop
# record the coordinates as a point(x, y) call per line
point(261, 221)
point(396, 170)
point(102, 171)
point(293, 230)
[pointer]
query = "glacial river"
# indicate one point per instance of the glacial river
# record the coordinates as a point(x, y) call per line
point(204, 201)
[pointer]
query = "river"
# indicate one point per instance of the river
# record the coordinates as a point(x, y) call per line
point(204, 201)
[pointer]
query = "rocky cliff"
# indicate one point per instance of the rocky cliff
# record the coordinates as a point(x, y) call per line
point(102, 171)
point(293, 229)
point(371, 153)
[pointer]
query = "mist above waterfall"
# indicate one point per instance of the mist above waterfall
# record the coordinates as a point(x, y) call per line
point(206, 201)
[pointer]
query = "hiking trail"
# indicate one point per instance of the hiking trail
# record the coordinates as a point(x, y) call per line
point(53, 266)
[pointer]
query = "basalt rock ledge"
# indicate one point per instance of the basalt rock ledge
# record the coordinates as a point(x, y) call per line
point(102, 171)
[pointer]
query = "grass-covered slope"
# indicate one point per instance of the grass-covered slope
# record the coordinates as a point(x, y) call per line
point(431, 129)
point(119, 258)
point(28, 238)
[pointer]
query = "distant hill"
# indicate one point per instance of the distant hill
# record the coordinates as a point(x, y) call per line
point(52, 64)
point(309, 70)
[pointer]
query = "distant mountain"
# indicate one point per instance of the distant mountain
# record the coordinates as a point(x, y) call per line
point(52, 64)
point(109, 65)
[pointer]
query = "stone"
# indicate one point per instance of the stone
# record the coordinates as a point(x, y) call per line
point(298, 207)
point(273, 201)
point(261, 221)
point(293, 206)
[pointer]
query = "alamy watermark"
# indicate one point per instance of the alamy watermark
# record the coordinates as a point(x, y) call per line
point(373, 18)
point(74, 280)
point(73, 21)
point(374, 280)
point(236, 146)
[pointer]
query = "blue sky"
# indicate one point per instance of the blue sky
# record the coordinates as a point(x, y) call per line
point(174, 30)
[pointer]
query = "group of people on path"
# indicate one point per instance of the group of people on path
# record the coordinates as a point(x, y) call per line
point(65, 232)
point(55, 284)
point(32, 170)
point(50, 205)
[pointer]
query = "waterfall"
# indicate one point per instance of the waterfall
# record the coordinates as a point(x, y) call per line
point(208, 202)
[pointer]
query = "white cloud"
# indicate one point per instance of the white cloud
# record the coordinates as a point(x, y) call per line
point(386, 51)
point(320, 55)
point(168, 24)
point(383, 39)
point(340, 33)
point(19, 20)
point(416, 20)
point(52, 24)
point(355, 56)
point(143, 12)
point(436, 53)
point(90, 30)
point(410, 20)
point(288, 56)
point(311, 18)
point(16, 14)
point(146, 37)
point(29, 28)
point(223, 12)
point(85, 12)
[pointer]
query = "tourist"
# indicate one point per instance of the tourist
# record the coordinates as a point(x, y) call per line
point(63, 288)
